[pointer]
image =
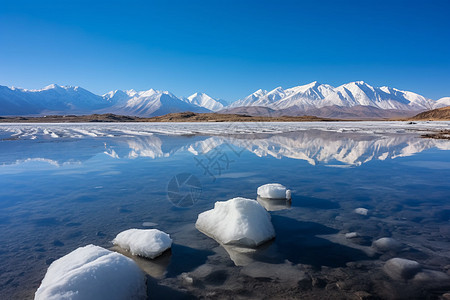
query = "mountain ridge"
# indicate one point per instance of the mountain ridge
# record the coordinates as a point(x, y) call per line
point(351, 100)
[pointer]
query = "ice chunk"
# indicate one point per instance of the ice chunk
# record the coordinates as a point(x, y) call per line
point(361, 211)
point(387, 244)
point(92, 272)
point(148, 243)
point(274, 191)
point(400, 268)
point(238, 221)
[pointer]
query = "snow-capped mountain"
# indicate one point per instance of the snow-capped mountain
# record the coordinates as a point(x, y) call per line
point(442, 102)
point(52, 98)
point(355, 100)
point(55, 99)
point(149, 103)
point(359, 93)
point(205, 101)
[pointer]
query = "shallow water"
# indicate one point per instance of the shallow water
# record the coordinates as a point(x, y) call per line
point(65, 186)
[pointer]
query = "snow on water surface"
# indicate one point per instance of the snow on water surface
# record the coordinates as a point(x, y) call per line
point(78, 130)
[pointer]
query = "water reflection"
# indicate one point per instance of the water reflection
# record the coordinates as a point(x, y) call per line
point(332, 149)
point(274, 204)
point(59, 194)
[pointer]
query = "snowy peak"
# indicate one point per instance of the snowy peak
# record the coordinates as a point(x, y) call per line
point(153, 103)
point(56, 99)
point(442, 102)
point(358, 93)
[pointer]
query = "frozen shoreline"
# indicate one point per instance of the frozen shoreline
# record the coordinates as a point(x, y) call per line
point(10, 131)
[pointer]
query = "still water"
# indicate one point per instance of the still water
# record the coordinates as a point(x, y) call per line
point(66, 186)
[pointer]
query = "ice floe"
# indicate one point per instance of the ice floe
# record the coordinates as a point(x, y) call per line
point(274, 191)
point(92, 272)
point(77, 130)
point(238, 221)
point(148, 243)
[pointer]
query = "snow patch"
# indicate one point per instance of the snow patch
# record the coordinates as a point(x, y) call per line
point(148, 243)
point(274, 191)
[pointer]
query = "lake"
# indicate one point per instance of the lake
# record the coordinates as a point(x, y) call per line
point(63, 186)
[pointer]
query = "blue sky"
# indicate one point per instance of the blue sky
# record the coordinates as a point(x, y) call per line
point(227, 49)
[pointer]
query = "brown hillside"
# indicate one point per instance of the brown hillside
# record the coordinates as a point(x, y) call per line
point(439, 114)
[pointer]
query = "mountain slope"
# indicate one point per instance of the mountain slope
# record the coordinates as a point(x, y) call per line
point(443, 102)
point(442, 113)
point(205, 101)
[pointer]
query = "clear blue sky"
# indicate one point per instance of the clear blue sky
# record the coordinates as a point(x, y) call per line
point(227, 49)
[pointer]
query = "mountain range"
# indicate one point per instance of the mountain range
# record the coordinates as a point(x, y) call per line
point(352, 100)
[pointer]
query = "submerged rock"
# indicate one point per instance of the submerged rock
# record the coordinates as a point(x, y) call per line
point(285, 272)
point(92, 272)
point(361, 211)
point(387, 244)
point(400, 268)
point(148, 243)
point(433, 279)
point(274, 191)
point(351, 235)
point(238, 221)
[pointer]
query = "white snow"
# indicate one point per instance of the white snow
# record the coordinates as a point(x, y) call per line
point(67, 99)
point(81, 130)
point(274, 191)
point(400, 268)
point(316, 95)
point(238, 221)
point(442, 102)
point(205, 101)
point(92, 272)
point(387, 244)
point(361, 211)
point(148, 243)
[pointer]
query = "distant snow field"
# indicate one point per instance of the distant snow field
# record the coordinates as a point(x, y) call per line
point(81, 130)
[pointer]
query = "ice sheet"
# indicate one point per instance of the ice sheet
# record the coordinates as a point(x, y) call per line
point(77, 130)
